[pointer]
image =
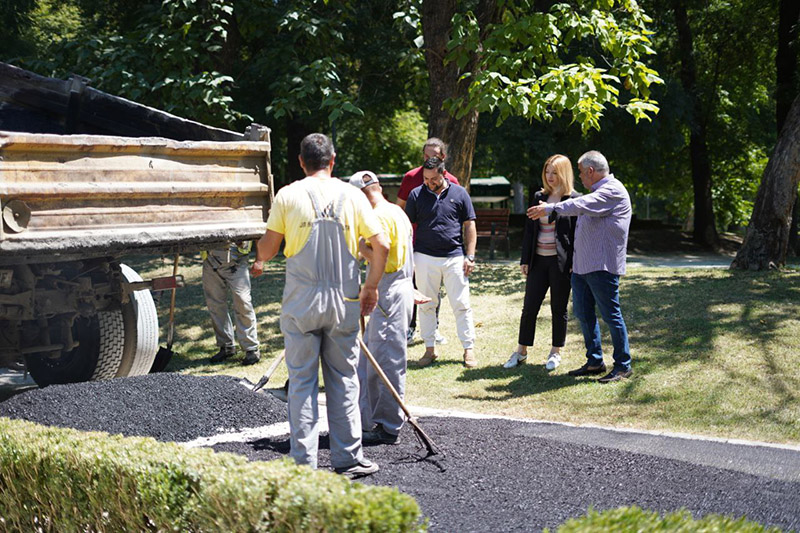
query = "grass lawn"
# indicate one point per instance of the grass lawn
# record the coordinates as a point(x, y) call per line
point(715, 352)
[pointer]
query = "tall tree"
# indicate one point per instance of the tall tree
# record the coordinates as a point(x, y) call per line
point(767, 235)
point(449, 80)
point(525, 58)
point(786, 85)
point(786, 59)
point(705, 229)
point(773, 223)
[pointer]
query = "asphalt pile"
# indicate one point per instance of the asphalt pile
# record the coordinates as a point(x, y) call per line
point(165, 406)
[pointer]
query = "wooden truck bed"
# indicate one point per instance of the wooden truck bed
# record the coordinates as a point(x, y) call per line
point(67, 197)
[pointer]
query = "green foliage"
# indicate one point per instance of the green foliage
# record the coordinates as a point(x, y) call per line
point(169, 60)
point(634, 519)
point(385, 146)
point(537, 65)
point(58, 479)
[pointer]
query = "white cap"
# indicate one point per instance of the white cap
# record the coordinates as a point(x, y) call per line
point(363, 178)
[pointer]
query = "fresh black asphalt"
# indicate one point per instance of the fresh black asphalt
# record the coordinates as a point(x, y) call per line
point(496, 474)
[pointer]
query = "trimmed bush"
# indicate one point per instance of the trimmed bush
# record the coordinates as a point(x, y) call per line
point(634, 520)
point(55, 479)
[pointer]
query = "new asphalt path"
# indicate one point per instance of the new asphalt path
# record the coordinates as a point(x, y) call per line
point(495, 474)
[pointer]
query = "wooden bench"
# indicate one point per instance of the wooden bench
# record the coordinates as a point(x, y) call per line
point(493, 224)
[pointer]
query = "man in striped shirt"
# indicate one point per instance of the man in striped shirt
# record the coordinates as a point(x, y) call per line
point(601, 241)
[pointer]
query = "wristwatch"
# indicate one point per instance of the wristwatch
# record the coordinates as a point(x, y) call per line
point(471, 258)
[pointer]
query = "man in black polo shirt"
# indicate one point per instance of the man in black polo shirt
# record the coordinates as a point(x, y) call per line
point(441, 211)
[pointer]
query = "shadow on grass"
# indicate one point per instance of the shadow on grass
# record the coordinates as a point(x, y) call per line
point(496, 278)
point(527, 380)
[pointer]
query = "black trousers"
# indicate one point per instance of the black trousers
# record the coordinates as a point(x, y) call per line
point(542, 275)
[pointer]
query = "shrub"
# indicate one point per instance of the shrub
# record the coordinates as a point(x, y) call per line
point(56, 479)
point(635, 519)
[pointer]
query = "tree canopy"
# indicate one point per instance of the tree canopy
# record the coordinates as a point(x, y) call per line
point(528, 77)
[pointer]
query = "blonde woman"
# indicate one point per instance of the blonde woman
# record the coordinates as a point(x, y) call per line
point(546, 261)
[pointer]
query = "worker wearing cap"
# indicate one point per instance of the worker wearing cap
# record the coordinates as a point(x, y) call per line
point(385, 336)
point(322, 218)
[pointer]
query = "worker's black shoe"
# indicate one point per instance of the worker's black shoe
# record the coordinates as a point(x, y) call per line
point(251, 357)
point(222, 354)
point(378, 435)
point(362, 468)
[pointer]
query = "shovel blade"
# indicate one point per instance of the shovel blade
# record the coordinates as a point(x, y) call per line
point(163, 357)
point(261, 382)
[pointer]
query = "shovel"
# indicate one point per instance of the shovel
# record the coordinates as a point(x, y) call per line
point(164, 355)
point(271, 370)
point(432, 448)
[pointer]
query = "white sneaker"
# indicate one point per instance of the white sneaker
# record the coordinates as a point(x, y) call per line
point(553, 360)
point(440, 339)
point(515, 359)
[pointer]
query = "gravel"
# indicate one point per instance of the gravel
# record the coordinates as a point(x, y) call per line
point(495, 476)
point(165, 406)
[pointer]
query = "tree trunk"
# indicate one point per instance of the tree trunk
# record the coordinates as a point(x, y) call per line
point(705, 230)
point(768, 232)
point(295, 133)
point(786, 60)
point(786, 83)
point(459, 134)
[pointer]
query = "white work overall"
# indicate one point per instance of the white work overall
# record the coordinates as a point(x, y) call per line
point(319, 321)
point(386, 339)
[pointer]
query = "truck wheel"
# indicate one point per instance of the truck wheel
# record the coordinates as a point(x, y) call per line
point(114, 343)
point(98, 351)
point(141, 330)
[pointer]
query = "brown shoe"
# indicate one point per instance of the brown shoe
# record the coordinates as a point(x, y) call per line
point(469, 358)
point(427, 359)
point(616, 375)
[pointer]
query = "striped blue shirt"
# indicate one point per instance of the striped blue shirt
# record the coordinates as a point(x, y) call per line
point(601, 234)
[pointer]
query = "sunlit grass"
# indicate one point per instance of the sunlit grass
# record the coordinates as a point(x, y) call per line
point(715, 352)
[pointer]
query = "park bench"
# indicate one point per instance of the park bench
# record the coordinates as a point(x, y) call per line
point(493, 224)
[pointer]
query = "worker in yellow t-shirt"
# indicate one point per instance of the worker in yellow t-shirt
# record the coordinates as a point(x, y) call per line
point(322, 218)
point(381, 415)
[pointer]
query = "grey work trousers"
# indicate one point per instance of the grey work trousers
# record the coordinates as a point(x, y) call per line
point(386, 339)
point(219, 275)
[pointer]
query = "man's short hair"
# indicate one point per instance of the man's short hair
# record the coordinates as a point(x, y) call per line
point(594, 159)
point(436, 143)
point(434, 163)
point(317, 152)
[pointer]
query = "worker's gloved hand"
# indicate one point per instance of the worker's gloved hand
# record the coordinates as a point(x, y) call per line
point(369, 299)
point(257, 269)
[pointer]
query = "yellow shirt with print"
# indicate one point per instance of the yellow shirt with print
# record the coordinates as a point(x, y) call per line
point(292, 213)
point(397, 229)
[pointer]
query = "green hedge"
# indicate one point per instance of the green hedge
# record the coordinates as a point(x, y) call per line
point(55, 479)
point(635, 520)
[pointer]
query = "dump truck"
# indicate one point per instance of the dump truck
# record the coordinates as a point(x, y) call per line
point(86, 179)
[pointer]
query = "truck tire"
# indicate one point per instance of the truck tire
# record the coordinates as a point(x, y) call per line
point(100, 345)
point(115, 343)
point(141, 330)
